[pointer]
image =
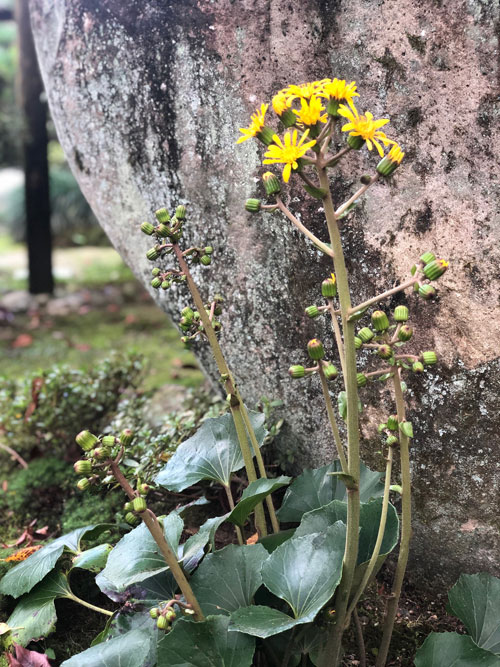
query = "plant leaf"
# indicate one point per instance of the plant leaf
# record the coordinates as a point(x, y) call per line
point(261, 621)
point(93, 559)
point(253, 495)
point(24, 576)
point(133, 649)
point(315, 488)
point(205, 644)
point(35, 614)
point(137, 557)
point(448, 649)
point(213, 452)
point(475, 600)
point(407, 429)
point(227, 579)
point(274, 540)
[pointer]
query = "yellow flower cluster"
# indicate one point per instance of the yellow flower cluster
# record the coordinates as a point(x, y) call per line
point(308, 106)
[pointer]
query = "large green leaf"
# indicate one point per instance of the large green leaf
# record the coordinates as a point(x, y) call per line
point(133, 649)
point(24, 576)
point(319, 520)
point(137, 557)
point(206, 644)
point(228, 579)
point(93, 559)
point(315, 488)
point(304, 571)
point(35, 614)
point(475, 599)
point(449, 649)
point(213, 452)
point(253, 495)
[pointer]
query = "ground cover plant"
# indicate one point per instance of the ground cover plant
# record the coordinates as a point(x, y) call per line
point(288, 588)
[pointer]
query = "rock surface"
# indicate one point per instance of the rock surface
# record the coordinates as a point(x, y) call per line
point(148, 96)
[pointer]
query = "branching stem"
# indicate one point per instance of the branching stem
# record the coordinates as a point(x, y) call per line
point(356, 195)
point(384, 295)
point(319, 244)
point(332, 420)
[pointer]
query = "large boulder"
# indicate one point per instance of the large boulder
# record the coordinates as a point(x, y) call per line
point(147, 97)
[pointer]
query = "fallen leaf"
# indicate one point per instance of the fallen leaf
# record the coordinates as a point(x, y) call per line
point(23, 340)
point(253, 538)
point(27, 658)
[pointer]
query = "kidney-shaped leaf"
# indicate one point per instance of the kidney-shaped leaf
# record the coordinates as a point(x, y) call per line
point(475, 599)
point(228, 579)
point(448, 649)
point(24, 576)
point(315, 488)
point(35, 615)
point(133, 649)
point(205, 644)
point(137, 557)
point(253, 495)
point(213, 452)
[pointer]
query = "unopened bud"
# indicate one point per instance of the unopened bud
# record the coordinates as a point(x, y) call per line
point(152, 254)
point(126, 437)
point(380, 321)
point(427, 257)
point(433, 270)
point(156, 283)
point(163, 230)
point(180, 212)
point(296, 371)
point(393, 423)
point(271, 183)
point(83, 467)
point(427, 292)
point(315, 349)
point(155, 272)
point(170, 615)
point(329, 287)
point(385, 351)
point(154, 612)
point(429, 358)
point(139, 504)
point(165, 284)
point(366, 334)
point(401, 314)
point(357, 342)
point(143, 489)
point(132, 519)
point(361, 379)
point(162, 215)
point(162, 623)
point(86, 440)
point(405, 333)
point(417, 367)
point(108, 440)
point(208, 250)
point(83, 484)
point(205, 260)
point(330, 372)
point(392, 441)
point(312, 311)
point(252, 205)
point(147, 228)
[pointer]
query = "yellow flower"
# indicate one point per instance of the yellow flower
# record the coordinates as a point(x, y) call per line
point(280, 103)
point(339, 90)
point(310, 112)
point(365, 127)
point(303, 90)
point(395, 155)
point(256, 125)
point(289, 152)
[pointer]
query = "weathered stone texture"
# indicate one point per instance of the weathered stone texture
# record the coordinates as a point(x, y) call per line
point(148, 96)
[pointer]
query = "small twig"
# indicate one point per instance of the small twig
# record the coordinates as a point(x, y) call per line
point(379, 372)
point(322, 246)
point(356, 195)
point(14, 455)
point(384, 295)
point(359, 638)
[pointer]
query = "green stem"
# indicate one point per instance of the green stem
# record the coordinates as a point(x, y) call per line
point(333, 650)
point(166, 551)
point(384, 295)
point(338, 335)
point(100, 610)
point(229, 384)
point(230, 500)
point(380, 536)
point(404, 546)
point(333, 421)
point(356, 195)
point(319, 244)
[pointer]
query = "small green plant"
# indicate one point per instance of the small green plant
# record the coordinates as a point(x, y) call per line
point(284, 594)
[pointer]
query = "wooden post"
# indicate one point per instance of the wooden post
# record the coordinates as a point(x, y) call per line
point(36, 167)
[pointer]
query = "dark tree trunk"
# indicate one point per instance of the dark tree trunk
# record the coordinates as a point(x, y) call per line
point(36, 168)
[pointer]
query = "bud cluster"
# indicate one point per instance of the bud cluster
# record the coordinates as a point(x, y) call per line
point(316, 352)
point(190, 322)
point(430, 269)
point(165, 615)
point(166, 232)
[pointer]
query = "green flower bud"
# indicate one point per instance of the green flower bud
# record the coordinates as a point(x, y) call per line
point(266, 135)
point(162, 215)
point(154, 612)
point(144, 489)
point(83, 467)
point(330, 372)
point(385, 351)
point(433, 270)
point(357, 342)
point(139, 504)
point(312, 311)
point(365, 334)
point(163, 230)
point(156, 283)
point(86, 440)
point(361, 379)
point(170, 615)
point(417, 367)
point(208, 250)
point(205, 260)
point(180, 212)
point(429, 358)
point(356, 143)
point(315, 349)
point(393, 423)
point(405, 333)
point(147, 228)
point(132, 519)
point(126, 437)
point(381, 428)
point(188, 313)
point(152, 254)
point(108, 441)
point(366, 179)
point(329, 287)
point(392, 441)
point(427, 292)
point(128, 507)
point(297, 371)
point(155, 272)
point(427, 257)
point(162, 623)
point(252, 205)
point(271, 183)
point(401, 313)
point(83, 484)
point(380, 321)
point(165, 284)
